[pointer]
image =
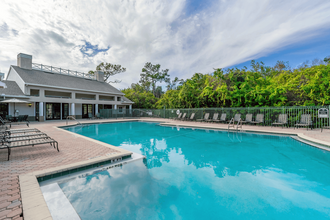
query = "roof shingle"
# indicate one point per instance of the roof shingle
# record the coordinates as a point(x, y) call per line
point(12, 89)
point(38, 77)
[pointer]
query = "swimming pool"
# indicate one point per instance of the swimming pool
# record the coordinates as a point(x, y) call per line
point(203, 174)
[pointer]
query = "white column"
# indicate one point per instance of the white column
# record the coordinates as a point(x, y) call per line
point(96, 109)
point(130, 109)
point(73, 111)
point(114, 106)
point(61, 111)
point(41, 109)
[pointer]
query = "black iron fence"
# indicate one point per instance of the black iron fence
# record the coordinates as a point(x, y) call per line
point(270, 113)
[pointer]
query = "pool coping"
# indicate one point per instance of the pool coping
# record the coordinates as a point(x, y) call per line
point(316, 143)
point(33, 202)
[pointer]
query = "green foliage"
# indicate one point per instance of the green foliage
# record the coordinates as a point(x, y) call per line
point(109, 70)
point(140, 97)
point(261, 85)
point(151, 74)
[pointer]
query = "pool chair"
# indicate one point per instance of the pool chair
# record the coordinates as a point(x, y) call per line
point(184, 117)
point(192, 117)
point(282, 120)
point(23, 118)
point(305, 121)
point(46, 140)
point(248, 119)
point(179, 116)
point(259, 119)
point(206, 117)
point(24, 137)
point(5, 122)
point(236, 118)
point(223, 118)
point(215, 117)
point(16, 131)
point(98, 116)
point(90, 116)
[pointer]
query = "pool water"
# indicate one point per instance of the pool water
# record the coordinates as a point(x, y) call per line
point(203, 174)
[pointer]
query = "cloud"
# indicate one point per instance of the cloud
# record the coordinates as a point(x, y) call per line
point(79, 34)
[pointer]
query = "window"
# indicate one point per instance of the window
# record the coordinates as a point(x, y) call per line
point(55, 94)
point(85, 96)
point(118, 99)
point(106, 98)
point(34, 92)
point(120, 109)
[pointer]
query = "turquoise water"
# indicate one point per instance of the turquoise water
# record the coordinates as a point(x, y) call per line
point(200, 174)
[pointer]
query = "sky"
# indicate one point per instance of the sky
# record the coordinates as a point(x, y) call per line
point(184, 36)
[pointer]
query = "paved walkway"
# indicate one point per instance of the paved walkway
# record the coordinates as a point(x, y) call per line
point(28, 159)
point(75, 149)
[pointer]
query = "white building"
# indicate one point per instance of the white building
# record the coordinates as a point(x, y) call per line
point(55, 93)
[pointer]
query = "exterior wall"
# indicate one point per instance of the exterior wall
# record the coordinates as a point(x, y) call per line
point(73, 99)
point(78, 110)
point(13, 76)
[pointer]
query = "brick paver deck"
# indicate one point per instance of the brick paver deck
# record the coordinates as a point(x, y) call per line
point(75, 149)
point(28, 159)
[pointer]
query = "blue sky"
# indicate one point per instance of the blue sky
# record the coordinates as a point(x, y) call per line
point(184, 36)
point(317, 47)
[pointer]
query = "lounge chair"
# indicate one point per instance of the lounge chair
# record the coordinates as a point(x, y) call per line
point(282, 120)
point(248, 118)
point(9, 118)
point(15, 131)
point(192, 117)
point(32, 143)
point(305, 121)
point(23, 118)
point(179, 116)
point(259, 119)
point(98, 116)
point(4, 122)
point(236, 118)
point(206, 117)
point(184, 116)
point(215, 117)
point(90, 116)
point(35, 136)
point(223, 118)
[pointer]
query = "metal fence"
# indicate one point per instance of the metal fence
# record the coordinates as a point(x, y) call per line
point(270, 113)
point(116, 113)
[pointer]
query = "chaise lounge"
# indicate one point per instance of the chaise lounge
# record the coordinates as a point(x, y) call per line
point(282, 120)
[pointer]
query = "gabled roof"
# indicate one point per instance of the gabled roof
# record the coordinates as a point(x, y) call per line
point(12, 89)
point(126, 100)
point(37, 77)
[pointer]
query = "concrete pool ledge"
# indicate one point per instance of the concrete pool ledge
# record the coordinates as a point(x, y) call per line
point(33, 203)
point(324, 145)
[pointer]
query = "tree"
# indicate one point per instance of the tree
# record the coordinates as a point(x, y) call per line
point(151, 74)
point(109, 70)
point(173, 84)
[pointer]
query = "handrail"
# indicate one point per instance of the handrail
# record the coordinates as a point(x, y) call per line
point(52, 69)
point(72, 118)
point(241, 126)
point(231, 120)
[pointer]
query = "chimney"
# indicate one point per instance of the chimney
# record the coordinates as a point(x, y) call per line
point(24, 61)
point(99, 76)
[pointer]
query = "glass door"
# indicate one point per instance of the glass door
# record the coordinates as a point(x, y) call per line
point(65, 110)
point(87, 109)
point(37, 111)
point(53, 111)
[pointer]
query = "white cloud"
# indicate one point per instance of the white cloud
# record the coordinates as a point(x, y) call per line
point(157, 31)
